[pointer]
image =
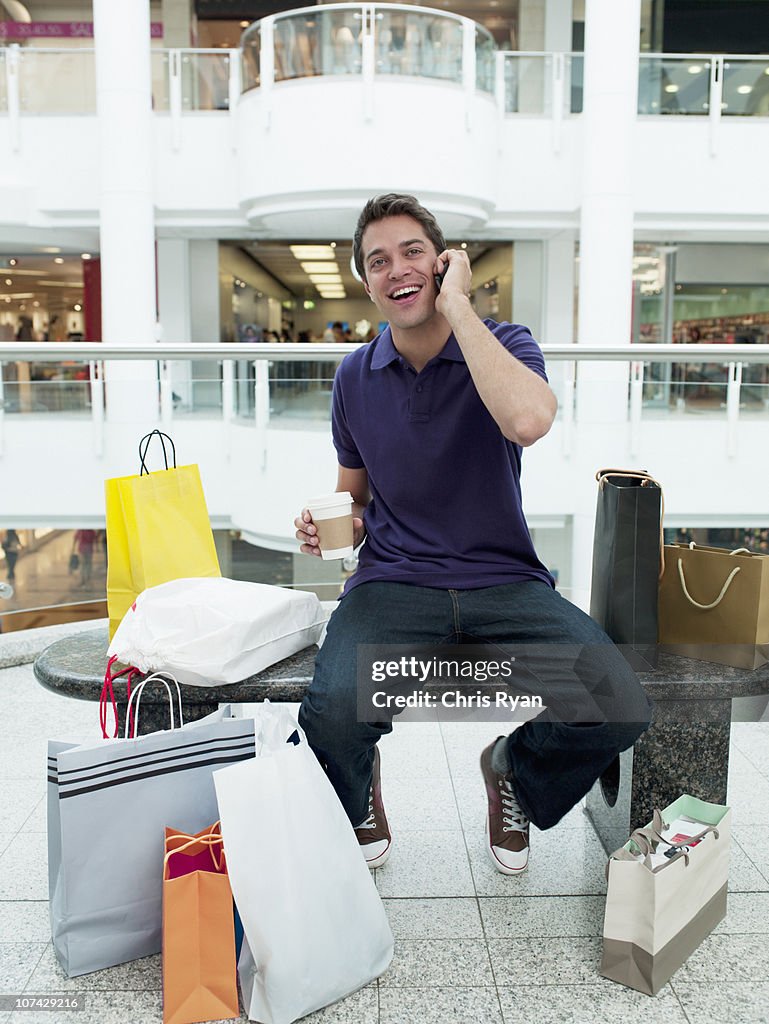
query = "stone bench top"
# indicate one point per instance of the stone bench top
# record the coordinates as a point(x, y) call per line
point(75, 666)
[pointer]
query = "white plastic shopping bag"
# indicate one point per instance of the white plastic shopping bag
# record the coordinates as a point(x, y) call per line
point(315, 927)
point(210, 631)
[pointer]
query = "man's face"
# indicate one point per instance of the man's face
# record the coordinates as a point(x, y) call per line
point(399, 263)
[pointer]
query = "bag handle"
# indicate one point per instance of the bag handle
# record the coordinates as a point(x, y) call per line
point(210, 839)
point(161, 677)
point(107, 696)
point(646, 839)
point(646, 479)
point(144, 447)
point(727, 584)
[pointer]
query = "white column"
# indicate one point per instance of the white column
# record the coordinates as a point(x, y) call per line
point(174, 302)
point(528, 286)
point(178, 19)
point(205, 323)
point(127, 229)
point(558, 303)
point(558, 17)
point(606, 244)
point(606, 221)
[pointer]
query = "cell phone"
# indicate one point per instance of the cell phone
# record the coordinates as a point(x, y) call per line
point(439, 279)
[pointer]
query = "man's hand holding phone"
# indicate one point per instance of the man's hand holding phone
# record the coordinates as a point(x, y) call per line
point(453, 277)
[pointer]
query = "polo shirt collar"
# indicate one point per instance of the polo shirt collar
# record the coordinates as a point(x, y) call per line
point(386, 352)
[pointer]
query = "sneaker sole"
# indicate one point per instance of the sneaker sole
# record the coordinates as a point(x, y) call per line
point(503, 869)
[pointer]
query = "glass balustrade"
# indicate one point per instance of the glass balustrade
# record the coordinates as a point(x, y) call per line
point(412, 42)
point(282, 391)
point(205, 80)
point(528, 83)
point(745, 87)
point(420, 44)
point(160, 70)
point(485, 49)
point(57, 81)
point(45, 388)
point(674, 85)
point(575, 75)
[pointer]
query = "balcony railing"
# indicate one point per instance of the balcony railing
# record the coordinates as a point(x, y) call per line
point(383, 41)
point(366, 40)
point(287, 385)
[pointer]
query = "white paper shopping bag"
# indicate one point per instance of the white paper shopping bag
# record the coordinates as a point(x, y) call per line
point(315, 928)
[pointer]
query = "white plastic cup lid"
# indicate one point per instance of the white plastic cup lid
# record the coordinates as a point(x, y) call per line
point(329, 500)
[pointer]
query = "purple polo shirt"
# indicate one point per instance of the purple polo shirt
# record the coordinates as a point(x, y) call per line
point(445, 484)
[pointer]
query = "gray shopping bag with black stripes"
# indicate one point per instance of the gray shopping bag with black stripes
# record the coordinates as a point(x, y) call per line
point(108, 805)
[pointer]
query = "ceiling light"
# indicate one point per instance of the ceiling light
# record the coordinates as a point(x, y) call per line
point(671, 88)
point(12, 262)
point(743, 90)
point(8, 280)
point(245, 24)
point(326, 279)
point(464, 245)
point(694, 69)
point(77, 307)
point(35, 304)
point(85, 255)
point(320, 268)
point(332, 244)
point(51, 248)
point(8, 298)
point(313, 252)
point(332, 293)
point(58, 259)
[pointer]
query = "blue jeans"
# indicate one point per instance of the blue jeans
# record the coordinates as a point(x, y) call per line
point(555, 762)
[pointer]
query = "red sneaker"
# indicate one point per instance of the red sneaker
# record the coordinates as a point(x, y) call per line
point(507, 827)
point(374, 834)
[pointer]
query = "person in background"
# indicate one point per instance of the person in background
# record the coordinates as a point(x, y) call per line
point(83, 545)
point(11, 546)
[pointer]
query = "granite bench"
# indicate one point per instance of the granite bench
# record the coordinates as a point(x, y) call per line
point(685, 751)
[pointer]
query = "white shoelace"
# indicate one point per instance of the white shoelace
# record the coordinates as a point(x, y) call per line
point(512, 815)
point(369, 822)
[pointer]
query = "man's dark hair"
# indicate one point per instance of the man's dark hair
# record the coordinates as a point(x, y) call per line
point(394, 204)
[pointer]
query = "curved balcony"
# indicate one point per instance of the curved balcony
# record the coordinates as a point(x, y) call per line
point(375, 97)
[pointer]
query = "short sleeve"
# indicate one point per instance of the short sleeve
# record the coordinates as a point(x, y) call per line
point(346, 449)
point(518, 341)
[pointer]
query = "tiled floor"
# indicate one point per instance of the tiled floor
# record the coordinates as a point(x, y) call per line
point(472, 947)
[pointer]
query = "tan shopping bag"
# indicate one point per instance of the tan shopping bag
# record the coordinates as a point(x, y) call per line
point(714, 605)
point(656, 916)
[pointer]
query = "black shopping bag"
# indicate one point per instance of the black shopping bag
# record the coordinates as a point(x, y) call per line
point(626, 562)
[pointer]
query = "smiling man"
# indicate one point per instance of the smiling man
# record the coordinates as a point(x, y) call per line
point(429, 422)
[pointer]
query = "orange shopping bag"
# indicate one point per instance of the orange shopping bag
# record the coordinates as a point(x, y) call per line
point(199, 972)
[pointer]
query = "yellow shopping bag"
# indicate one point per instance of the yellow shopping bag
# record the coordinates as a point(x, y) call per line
point(157, 530)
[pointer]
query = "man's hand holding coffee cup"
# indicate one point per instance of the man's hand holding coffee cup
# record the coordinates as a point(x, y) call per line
point(327, 527)
point(307, 533)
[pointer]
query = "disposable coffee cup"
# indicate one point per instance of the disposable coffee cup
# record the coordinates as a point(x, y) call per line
point(332, 515)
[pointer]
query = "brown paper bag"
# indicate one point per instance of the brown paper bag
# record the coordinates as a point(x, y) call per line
point(714, 605)
point(199, 970)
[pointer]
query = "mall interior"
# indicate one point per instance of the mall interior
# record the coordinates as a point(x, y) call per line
point(180, 181)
